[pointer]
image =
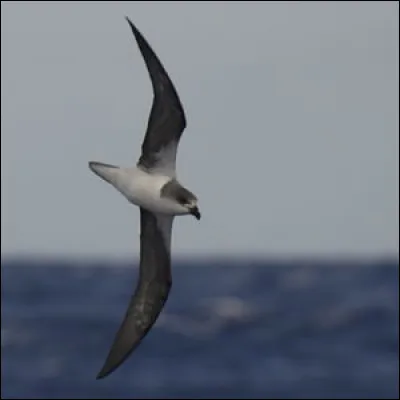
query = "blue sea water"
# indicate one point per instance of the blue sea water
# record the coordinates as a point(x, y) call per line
point(243, 329)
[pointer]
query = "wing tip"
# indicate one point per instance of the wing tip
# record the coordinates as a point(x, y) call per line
point(105, 371)
point(102, 374)
point(133, 27)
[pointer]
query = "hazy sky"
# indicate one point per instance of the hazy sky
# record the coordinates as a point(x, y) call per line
point(292, 137)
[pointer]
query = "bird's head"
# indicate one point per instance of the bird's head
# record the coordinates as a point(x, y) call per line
point(189, 201)
point(184, 197)
point(192, 207)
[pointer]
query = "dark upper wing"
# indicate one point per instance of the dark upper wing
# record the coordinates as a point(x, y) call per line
point(167, 118)
point(151, 292)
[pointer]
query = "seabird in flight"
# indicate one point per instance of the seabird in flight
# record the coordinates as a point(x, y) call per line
point(152, 185)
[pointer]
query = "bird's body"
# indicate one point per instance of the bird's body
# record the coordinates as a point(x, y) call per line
point(151, 185)
point(140, 188)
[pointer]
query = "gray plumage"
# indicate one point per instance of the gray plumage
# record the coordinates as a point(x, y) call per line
point(174, 190)
point(167, 118)
point(150, 295)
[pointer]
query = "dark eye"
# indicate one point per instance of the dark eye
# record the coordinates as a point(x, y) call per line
point(182, 200)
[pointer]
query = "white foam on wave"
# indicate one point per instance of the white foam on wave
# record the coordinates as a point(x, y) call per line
point(211, 317)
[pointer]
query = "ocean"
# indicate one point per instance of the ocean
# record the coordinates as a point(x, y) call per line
point(230, 329)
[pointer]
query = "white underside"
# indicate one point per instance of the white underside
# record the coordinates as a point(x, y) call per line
point(140, 188)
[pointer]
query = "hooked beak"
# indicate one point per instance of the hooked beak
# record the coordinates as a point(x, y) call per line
point(195, 212)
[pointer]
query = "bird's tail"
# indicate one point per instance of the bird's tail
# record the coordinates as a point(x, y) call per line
point(107, 172)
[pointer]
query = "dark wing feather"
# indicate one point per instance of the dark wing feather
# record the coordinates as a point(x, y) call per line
point(167, 118)
point(151, 292)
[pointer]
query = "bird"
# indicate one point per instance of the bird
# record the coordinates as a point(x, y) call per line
point(153, 186)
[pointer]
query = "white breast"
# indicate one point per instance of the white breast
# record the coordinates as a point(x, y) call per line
point(143, 190)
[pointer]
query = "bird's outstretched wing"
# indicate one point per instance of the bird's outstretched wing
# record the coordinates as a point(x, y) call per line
point(151, 292)
point(167, 118)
